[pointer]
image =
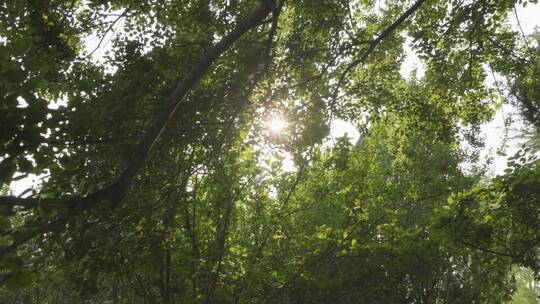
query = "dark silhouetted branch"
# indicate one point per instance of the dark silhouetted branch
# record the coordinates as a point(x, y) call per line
point(374, 43)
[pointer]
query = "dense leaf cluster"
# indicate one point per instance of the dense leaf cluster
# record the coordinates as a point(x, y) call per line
point(161, 183)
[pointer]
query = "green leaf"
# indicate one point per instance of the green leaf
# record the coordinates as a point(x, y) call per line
point(19, 280)
point(5, 223)
point(7, 169)
point(6, 241)
point(16, 76)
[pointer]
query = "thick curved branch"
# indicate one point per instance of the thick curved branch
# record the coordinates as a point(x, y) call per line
point(182, 89)
point(31, 202)
point(117, 191)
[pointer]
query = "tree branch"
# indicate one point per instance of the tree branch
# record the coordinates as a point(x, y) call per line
point(31, 202)
point(271, 34)
point(176, 98)
point(117, 190)
point(109, 29)
point(374, 43)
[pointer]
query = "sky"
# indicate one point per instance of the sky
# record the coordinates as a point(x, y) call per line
point(529, 18)
point(494, 131)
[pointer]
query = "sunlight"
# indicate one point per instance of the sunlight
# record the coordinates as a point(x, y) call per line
point(276, 124)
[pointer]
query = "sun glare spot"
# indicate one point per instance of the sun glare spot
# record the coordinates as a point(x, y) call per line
point(276, 125)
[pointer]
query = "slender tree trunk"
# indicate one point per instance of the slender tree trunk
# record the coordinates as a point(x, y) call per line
point(168, 275)
point(114, 293)
point(38, 296)
point(192, 226)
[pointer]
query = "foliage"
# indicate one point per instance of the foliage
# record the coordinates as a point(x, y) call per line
point(162, 183)
point(526, 287)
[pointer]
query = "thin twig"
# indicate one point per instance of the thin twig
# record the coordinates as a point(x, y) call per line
point(373, 45)
point(521, 29)
point(124, 13)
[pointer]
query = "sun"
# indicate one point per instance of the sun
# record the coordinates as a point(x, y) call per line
point(276, 124)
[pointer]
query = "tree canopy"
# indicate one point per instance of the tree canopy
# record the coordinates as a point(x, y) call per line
point(163, 180)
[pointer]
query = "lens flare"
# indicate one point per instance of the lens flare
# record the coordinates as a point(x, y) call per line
point(276, 125)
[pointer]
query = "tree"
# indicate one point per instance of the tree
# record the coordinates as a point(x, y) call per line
point(163, 185)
